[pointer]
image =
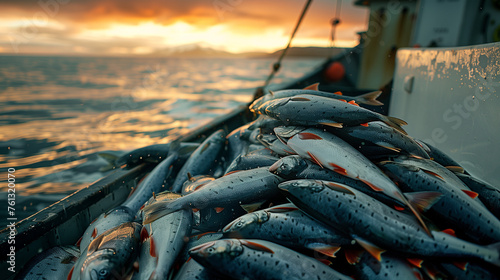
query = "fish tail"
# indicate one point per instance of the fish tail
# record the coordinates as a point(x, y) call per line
point(417, 214)
point(157, 210)
point(370, 98)
point(395, 123)
point(495, 260)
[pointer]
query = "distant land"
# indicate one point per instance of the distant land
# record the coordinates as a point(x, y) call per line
point(196, 51)
point(201, 51)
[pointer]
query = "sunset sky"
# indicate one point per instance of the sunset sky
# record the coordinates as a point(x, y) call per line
point(122, 27)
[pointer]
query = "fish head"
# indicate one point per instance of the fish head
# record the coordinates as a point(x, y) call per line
point(244, 222)
point(299, 187)
point(288, 167)
point(225, 248)
point(100, 265)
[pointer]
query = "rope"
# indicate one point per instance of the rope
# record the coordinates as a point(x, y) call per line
point(276, 66)
point(335, 21)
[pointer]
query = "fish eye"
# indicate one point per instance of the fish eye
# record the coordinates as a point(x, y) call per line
point(103, 272)
point(210, 250)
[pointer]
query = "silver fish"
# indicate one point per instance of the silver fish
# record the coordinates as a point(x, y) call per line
point(376, 227)
point(110, 255)
point(329, 151)
point(244, 188)
point(310, 110)
point(258, 259)
point(202, 160)
point(54, 263)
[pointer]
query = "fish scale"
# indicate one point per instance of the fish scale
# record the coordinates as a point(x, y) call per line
point(455, 207)
point(488, 194)
point(376, 226)
point(389, 268)
point(258, 259)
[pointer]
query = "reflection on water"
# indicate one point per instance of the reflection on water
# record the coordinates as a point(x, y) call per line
point(58, 113)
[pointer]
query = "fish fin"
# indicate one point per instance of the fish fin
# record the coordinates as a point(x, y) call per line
point(231, 172)
point(352, 102)
point(450, 232)
point(300, 99)
point(374, 250)
point(353, 256)
point(399, 208)
point(152, 247)
point(251, 207)
point(417, 215)
point(309, 136)
point(461, 265)
point(325, 249)
point(195, 210)
point(471, 193)
point(397, 150)
point(455, 169)
point(415, 262)
point(70, 274)
point(375, 188)
point(338, 93)
point(271, 92)
point(205, 147)
point(423, 201)
point(325, 261)
point(144, 234)
point(94, 245)
point(332, 124)
point(282, 209)
point(189, 176)
point(394, 123)
point(370, 98)
point(343, 100)
point(364, 124)
point(219, 209)
point(339, 188)
point(256, 246)
point(94, 233)
point(433, 174)
point(315, 159)
point(79, 242)
point(313, 87)
point(338, 169)
point(157, 210)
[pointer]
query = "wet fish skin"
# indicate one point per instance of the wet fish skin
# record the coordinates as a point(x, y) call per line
point(166, 238)
point(454, 208)
point(288, 226)
point(246, 162)
point(389, 268)
point(231, 191)
point(153, 183)
point(108, 220)
point(110, 255)
point(368, 98)
point(473, 271)
point(310, 110)
point(53, 263)
point(488, 194)
point(258, 259)
point(202, 160)
point(375, 224)
point(272, 142)
point(439, 156)
point(335, 154)
point(195, 183)
point(237, 143)
point(294, 167)
point(378, 139)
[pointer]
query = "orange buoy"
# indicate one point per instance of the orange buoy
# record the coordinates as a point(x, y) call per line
point(335, 72)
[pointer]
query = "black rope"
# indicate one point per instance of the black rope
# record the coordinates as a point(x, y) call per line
point(335, 21)
point(277, 64)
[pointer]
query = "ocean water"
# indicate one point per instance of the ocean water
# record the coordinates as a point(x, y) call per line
point(58, 113)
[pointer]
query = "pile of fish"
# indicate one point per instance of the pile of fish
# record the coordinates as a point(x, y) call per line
point(317, 187)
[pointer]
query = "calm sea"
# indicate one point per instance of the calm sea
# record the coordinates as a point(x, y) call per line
point(58, 113)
